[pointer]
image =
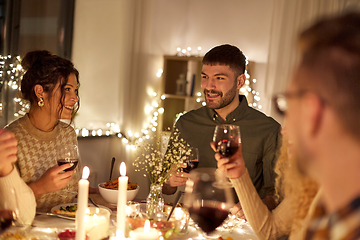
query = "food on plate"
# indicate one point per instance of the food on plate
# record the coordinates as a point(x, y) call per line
point(228, 238)
point(16, 236)
point(69, 210)
point(114, 185)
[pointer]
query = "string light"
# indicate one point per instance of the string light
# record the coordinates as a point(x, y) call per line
point(250, 93)
point(11, 73)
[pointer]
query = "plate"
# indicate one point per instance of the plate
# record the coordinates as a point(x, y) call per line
point(57, 207)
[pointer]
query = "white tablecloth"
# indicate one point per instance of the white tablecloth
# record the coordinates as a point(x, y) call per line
point(47, 227)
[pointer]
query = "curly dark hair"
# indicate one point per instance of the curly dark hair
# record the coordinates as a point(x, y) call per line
point(46, 69)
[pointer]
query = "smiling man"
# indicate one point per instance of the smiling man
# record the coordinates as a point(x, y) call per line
point(222, 77)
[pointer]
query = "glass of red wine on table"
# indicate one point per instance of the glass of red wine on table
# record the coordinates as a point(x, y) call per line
point(207, 200)
point(68, 153)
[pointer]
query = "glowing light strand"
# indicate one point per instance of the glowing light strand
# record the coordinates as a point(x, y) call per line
point(11, 74)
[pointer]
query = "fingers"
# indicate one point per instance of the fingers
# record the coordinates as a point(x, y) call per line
point(5, 135)
point(178, 179)
point(8, 147)
point(240, 214)
point(183, 165)
point(64, 167)
point(235, 209)
point(212, 145)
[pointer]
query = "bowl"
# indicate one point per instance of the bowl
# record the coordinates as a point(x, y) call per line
point(111, 195)
point(176, 225)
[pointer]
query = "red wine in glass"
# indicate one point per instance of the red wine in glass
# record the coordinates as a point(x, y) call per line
point(68, 153)
point(227, 139)
point(64, 161)
point(208, 218)
point(7, 219)
point(226, 148)
point(191, 159)
point(191, 164)
point(208, 201)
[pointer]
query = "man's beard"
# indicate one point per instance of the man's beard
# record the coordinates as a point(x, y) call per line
point(225, 99)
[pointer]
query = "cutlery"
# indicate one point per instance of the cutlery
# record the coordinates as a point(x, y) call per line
point(92, 201)
point(177, 198)
point(111, 168)
point(56, 215)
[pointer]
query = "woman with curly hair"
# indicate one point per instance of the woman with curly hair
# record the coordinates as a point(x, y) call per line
point(50, 84)
point(294, 193)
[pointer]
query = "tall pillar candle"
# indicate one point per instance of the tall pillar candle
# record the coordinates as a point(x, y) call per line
point(82, 204)
point(121, 203)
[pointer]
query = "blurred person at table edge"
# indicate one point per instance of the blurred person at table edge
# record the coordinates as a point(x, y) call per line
point(322, 120)
point(222, 77)
point(10, 178)
point(50, 84)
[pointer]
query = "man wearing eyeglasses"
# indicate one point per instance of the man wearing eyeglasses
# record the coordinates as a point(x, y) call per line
point(222, 77)
point(322, 110)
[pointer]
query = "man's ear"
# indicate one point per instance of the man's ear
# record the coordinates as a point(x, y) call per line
point(240, 81)
point(313, 113)
point(39, 91)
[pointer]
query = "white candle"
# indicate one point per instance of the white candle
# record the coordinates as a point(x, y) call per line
point(82, 204)
point(119, 236)
point(145, 233)
point(97, 223)
point(122, 192)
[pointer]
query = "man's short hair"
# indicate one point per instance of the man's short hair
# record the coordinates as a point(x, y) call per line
point(330, 50)
point(226, 55)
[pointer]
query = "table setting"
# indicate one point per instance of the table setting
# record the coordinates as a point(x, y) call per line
point(115, 213)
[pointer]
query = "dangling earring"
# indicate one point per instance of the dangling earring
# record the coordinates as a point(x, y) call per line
point(41, 102)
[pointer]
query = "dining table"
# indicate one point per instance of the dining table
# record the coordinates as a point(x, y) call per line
point(48, 227)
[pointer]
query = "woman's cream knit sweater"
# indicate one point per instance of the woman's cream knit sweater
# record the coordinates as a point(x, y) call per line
point(266, 224)
point(37, 153)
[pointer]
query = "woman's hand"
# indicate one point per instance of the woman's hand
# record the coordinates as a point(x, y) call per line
point(52, 180)
point(234, 167)
point(8, 150)
point(238, 211)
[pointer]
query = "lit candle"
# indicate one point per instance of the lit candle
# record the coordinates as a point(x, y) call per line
point(145, 233)
point(82, 204)
point(97, 223)
point(122, 192)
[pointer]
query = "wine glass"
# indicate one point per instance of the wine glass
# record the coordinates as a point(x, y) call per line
point(227, 142)
point(8, 208)
point(227, 139)
point(68, 153)
point(208, 201)
point(191, 159)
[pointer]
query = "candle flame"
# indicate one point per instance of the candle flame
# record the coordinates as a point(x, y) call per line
point(86, 172)
point(147, 226)
point(123, 169)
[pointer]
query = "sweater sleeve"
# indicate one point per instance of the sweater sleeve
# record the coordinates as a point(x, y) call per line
point(26, 202)
point(266, 224)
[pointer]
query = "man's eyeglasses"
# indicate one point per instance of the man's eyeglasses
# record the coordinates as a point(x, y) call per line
point(280, 100)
